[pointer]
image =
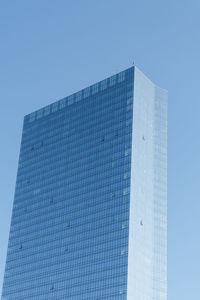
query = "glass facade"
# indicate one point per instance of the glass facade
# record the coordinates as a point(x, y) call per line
point(147, 255)
point(87, 163)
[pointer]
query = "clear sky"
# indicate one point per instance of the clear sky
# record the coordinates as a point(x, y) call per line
point(50, 49)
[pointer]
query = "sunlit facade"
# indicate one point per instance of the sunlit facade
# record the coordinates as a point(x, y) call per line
point(89, 217)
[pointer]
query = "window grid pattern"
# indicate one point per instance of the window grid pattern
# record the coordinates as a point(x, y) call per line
point(147, 265)
point(69, 228)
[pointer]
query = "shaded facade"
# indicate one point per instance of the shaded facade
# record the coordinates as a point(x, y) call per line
point(89, 213)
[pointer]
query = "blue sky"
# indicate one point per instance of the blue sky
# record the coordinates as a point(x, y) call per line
point(49, 49)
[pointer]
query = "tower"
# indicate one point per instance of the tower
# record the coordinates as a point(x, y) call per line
point(89, 217)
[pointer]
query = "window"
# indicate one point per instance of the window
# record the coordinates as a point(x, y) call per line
point(36, 192)
point(130, 94)
point(121, 76)
point(62, 103)
point(32, 117)
point(103, 84)
point(126, 175)
point(124, 225)
point(128, 122)
point(39, 113)
point(129, 100)
point(37, 145)
point(47, 110)
point(116, 133)
point(113, 80)
point(129, 107)
point(94, 88)
point(86, 92)
point(112, 195)
point(54, 107)
point(113, 163)
point(127, 151)
point(123, 251)
point(78, 96)
point(126, 191)
point(70, 100)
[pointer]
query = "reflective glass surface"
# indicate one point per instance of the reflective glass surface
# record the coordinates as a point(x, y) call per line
point(70, 222)
point(147, 254)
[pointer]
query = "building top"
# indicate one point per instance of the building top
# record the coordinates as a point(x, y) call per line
point(78, 96)
point(91, 90)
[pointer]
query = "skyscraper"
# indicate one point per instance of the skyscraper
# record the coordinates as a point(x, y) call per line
point(89, 217)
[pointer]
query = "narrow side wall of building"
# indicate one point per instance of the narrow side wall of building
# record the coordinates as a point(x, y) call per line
point(160, 195)
point(147, 220)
